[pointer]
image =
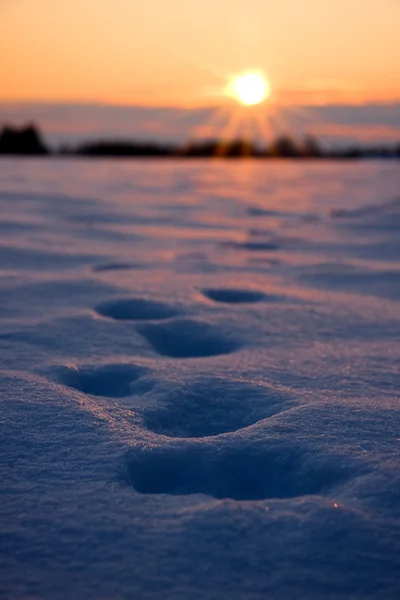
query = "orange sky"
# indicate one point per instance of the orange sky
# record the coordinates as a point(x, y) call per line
point(181, 52)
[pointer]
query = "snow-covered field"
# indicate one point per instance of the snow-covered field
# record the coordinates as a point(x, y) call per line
point(200, 380)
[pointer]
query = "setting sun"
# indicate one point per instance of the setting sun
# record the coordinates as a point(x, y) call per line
point(250, 88)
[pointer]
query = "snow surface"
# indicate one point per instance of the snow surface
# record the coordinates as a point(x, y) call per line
point(200, 380)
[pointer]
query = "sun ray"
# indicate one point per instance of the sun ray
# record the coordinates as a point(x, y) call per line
point(227, 134)
point(218, 114)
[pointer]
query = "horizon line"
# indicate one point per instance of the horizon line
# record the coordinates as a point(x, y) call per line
point(195, 106)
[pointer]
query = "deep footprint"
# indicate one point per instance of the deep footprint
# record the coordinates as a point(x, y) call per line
point(111, 381)
point(254, 246)
point(136, 309)
point(246, 472)
point(115, 267)
point(213, 406)
point(185, 338)
point(234, 296)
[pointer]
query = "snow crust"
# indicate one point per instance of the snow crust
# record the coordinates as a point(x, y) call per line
point(199, 380)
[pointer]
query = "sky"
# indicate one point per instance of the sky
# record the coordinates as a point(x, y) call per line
point(182, 53)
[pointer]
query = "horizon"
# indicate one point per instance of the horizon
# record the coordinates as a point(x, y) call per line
point(333, 125)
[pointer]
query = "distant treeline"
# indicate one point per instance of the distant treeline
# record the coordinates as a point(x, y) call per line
point(27, 141)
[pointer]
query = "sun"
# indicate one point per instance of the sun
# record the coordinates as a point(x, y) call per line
point(249, 88)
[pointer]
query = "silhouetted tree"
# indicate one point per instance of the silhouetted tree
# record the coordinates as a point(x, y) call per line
point(24, 141)
point(219, 149)
point(239, 149)
point(194, 149)
point(310, 148)
point(349, 152)
point(284, 147)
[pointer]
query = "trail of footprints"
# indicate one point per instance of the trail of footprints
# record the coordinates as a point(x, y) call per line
point(179, 337)
point(200, 412)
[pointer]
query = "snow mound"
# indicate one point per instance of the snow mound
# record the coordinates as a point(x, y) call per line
point(212, 406)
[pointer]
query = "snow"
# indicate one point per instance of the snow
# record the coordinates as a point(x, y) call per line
point(199, 381)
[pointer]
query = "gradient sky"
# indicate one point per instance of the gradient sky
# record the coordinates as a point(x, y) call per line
point(181, 52)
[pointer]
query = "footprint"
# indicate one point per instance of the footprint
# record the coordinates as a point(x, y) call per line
point(136, 309)
point(254, 246)
point(234, 296)
point(185, 338)
point(115, 267)
point(111, 381)
point(249, 471)
point(259, 246)
point(213, 406)
point(256, 211)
